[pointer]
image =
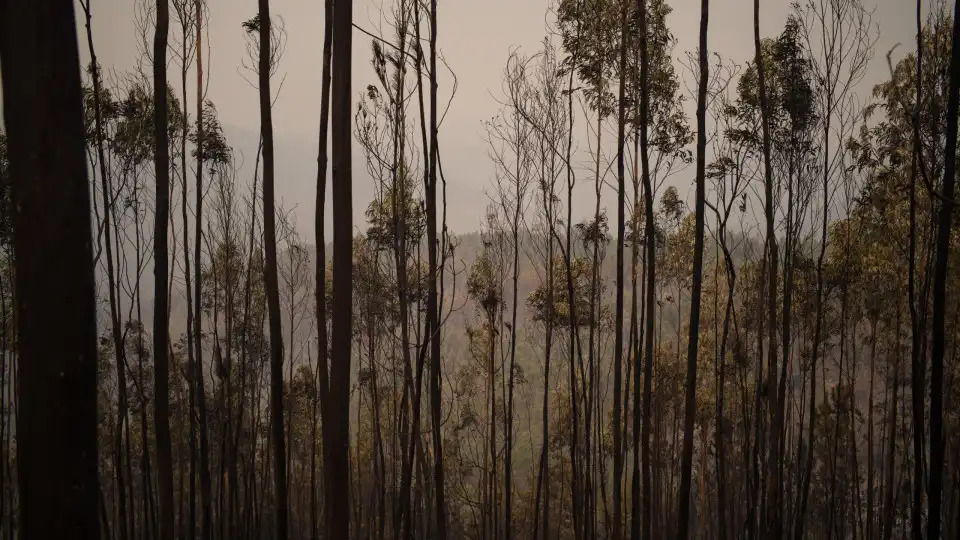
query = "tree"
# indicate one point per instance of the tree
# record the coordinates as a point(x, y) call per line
point(618, 325)
point(270, 278)
point(43, 109)
point(641, 441)
point(323, 373)
point(937, 444)
point(693, 347)
point(342, 316)
point(160, 309)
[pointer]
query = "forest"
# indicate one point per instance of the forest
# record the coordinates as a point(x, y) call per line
point(775, 356)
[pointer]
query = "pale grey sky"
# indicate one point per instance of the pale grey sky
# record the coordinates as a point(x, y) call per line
point(475, 37)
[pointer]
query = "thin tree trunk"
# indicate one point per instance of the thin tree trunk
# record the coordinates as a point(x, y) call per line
point(938, 352)
point(433, 322)
point(321, 265)
point(870, 443)
point(618, 324)
point(206, 496)
point(693, 343)
point(191, 335)
point(119, 352)
point(643, 440)
point(917, 364)
point(888, 482)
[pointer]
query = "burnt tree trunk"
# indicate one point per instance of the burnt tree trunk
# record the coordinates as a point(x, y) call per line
point(43, 110)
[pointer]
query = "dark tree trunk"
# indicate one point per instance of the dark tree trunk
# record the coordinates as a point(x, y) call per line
point(342, 317)
point(323, 374)
point(937, 442)
point(618, 324)
point(642, 441)
point(206, 498)
point(57, 409)
point(771, 273)
point(115, 326)
point(271, 285)
point(160, 269)
point(693, 343)
point(917, 362)
point(433, 322)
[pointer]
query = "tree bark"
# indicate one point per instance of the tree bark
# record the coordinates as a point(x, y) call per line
point(206, 497)
point(272, 287)
point(432, 308)
point(937, 442)
point(161, 329)
point(642, 441)
point(323, 375)
point(695, 294)
point(342, 316)
point(57, 409)
point(618, 324)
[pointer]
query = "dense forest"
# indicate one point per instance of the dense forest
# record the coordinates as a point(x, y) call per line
point(777, 357)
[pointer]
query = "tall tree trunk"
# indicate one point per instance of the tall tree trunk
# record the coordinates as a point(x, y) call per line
point(722, 503)
point(191, 335)
point(771, 271)
point(508, 451)
point(119, 352)
point(618, 324)
point(160, 307)
point(57, 409)
point(272, 287)
point(323, 375)
point(642, 440)
point(206, 497)
point(693, 343)
point(937, 442)
point(342, 318)
point(917, 362)
point(433, 322)
point(889, 482)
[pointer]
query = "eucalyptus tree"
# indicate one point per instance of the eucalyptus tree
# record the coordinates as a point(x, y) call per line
point(513, 156)
point(693, 348)
point(320, 260)
point(944, 220)
point(161, 328)
point(342, 315)
point(265, 42)
point(43, 114)
point(839, 37)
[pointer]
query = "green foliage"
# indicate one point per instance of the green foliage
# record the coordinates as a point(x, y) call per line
point(591, 30)
point(214, 152)
point(397, 207)
point(559, 312)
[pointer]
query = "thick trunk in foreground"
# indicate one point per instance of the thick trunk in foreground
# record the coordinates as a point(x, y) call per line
point(43, 109)
point(342, 317)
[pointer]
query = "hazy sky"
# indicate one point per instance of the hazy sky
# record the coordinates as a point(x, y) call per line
point(475, 37)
